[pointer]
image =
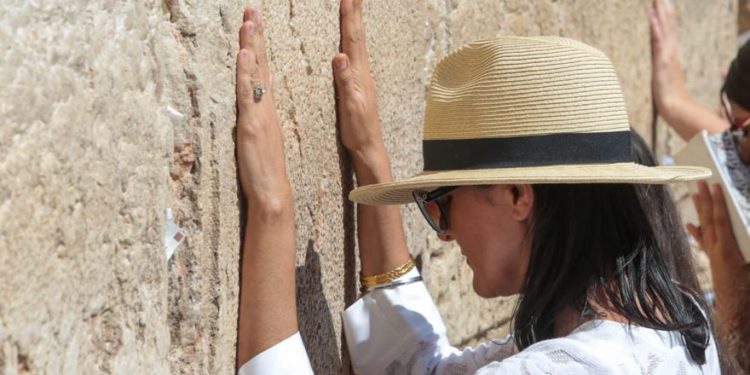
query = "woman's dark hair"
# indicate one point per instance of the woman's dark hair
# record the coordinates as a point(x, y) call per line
point(609, 245)
point(664, 218)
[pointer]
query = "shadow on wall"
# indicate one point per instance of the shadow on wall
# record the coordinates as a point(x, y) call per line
point(314, 316)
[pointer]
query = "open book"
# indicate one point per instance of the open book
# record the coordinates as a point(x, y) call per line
point(719, 153)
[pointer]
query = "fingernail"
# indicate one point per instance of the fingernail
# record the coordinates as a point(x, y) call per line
point(341, 64)
point(256, 16)
point(250, 27)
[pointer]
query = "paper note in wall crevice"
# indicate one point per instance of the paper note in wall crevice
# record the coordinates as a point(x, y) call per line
point(173, 235)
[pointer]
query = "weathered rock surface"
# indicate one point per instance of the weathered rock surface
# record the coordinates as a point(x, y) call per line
point(743, 16)
point(112, 112)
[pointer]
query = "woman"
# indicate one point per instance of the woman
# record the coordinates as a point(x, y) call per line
point(596, 293)
point(528, 168)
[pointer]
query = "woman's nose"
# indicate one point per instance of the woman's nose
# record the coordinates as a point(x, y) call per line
point(445, 235)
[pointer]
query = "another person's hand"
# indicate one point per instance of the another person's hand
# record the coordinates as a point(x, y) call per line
point(715, 234)
point(728, 270)
point(357, 103)
point(668, 79)
point(259, 139)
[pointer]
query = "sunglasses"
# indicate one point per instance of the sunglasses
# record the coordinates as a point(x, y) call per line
point(735, 122)
point(435, 206)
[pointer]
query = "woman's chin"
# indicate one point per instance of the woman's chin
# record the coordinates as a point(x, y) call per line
point(485, 290)
point(482, 290)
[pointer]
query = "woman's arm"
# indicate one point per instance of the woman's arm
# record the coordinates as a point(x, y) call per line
point(382, 243)
point(673, 103)
point(396, 330)
point(267, 311)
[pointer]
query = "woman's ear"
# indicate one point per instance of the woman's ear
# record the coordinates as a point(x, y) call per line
point(522, 202)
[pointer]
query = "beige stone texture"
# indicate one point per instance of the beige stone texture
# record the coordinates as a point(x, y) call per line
point(743, 16)
point(114, 111)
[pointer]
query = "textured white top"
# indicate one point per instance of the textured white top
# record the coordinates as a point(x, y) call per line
point(400, 331)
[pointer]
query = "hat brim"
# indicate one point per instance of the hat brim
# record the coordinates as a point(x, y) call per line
point(400, 192)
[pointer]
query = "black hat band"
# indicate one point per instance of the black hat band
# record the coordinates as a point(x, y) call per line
point(527, 151)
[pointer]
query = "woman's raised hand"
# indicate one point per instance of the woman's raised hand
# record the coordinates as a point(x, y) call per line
point(668, 79)
point(259, 140)
point(357, 103)
point(267, 306)
point(380, 233)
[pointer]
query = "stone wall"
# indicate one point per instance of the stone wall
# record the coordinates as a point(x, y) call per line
point(114, 111)
point(743, 16)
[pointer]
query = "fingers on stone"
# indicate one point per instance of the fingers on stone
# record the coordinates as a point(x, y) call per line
point(664, 10)
point(247, 74)
point(246, 34)
point(351, 25)
point(251, 38)
point(658, 8)
point(256, 39)
point(346, 8)
point(345, 12)
point(342, 70)
point(668, 7)
point(248, 14)
point(656, 32)
point(342, 73)
point(257, 21)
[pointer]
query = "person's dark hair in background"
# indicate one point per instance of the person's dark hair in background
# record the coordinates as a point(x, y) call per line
point(737, 87)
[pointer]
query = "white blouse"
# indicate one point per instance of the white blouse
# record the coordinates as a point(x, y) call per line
point(400, 331)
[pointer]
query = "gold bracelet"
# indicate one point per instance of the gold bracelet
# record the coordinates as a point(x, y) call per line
point(368, 281)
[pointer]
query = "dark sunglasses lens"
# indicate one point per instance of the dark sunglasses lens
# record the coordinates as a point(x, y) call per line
point(432, 209)
point(443, 204)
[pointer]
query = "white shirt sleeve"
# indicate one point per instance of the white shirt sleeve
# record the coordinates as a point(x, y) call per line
point(288, 357)
point(400, 331)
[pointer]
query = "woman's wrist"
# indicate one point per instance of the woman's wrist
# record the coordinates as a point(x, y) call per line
point(371, 165)
point(274, 202)
point(670, 106)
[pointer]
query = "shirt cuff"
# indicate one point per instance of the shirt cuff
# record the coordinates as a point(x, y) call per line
point(385, 323)
point(288, 357)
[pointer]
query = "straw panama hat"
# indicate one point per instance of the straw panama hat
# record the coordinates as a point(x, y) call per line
point(535, 110)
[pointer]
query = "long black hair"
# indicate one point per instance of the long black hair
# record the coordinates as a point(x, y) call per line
point(603, 245)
